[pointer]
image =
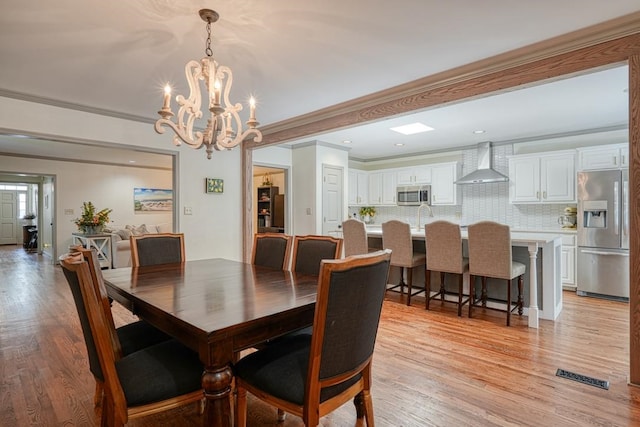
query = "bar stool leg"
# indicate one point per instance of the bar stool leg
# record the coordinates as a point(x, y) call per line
point(484, 292)
point(509, 303)
point(427, 288)
point(409, 282)
point(442, 275)
point(460, 295)
point(520, 300)
point(472, 293)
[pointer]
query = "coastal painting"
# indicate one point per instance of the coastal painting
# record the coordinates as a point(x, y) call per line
point(152, 200)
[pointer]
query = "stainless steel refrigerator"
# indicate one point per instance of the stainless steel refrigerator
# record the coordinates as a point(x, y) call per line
point(603, 234)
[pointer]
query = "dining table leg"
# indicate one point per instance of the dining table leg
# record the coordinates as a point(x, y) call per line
point(216, 383)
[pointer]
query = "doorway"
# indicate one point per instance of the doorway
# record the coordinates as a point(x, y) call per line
point(271, 199)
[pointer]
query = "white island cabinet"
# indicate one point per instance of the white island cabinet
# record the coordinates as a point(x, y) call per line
point(540, 252)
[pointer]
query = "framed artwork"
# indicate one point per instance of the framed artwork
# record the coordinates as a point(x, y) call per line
point(214, 185)
point(149, 200)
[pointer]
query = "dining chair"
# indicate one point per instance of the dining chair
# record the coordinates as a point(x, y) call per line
point(312, 375)
point(490, 256)
point(396, 235)
point(309, 251)
point(129, 338)
point(271, 250)
point(355, 237)
point(155, 249)
point(153, 379)
point(443, 243)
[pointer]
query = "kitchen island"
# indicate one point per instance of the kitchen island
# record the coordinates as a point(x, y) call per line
point(540, 252)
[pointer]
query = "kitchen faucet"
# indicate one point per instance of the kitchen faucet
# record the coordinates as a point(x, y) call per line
point(430, 212)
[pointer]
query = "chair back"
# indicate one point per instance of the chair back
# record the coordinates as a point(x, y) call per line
point(271, 250)
point(355, 237)
point(396, 235)
point(77, 272)
point(309, 251)
point(348, 306)
point(444, 247)
point(490, 250)
point(155, 249)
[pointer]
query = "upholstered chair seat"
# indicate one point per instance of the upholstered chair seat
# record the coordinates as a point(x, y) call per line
point(396, 235)
point(490, 256)
point(443, 243)
point(312, 375)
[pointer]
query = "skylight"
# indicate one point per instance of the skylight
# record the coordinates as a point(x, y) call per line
point(412, 128)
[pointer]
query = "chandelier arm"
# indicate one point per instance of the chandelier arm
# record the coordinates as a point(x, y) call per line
point(180, 135)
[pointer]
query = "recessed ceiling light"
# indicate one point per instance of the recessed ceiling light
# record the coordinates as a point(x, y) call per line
point(399, 144)
point(479, 131)
point(412, 128)
point(132, 161)
point(346, 141)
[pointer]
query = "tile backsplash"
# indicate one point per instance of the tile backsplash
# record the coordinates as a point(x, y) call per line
point(482, 202)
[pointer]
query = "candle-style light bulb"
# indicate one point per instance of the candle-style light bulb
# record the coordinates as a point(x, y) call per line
point(252, 108)
point(216, 92)
point(167, 98)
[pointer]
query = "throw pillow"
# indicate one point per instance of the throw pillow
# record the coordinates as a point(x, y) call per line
point(139, 230)
point(124, 234)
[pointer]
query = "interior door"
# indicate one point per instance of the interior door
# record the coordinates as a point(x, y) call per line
point(332, 199)
point(8, 222)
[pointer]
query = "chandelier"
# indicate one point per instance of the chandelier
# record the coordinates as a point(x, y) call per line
point(224, 127)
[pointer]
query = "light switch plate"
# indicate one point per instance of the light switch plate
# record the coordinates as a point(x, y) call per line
point(187, 210)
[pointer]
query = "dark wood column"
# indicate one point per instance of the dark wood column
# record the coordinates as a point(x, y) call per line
point(634, 216)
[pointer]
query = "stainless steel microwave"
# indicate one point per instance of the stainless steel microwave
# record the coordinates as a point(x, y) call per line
point(413, 195)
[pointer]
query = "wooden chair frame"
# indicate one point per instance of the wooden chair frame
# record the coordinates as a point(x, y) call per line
point(297, 239)
point(286, 237)
point(312, 410)
point(114, 409)
point(135, 258)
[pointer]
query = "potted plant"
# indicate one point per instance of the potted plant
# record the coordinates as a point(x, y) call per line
point(367, 213)
point(92, 222)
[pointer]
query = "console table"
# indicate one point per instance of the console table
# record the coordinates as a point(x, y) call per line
point(100, 242)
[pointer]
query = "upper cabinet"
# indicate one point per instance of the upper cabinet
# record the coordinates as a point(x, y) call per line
point(543, 178)
point(613, 156)
point(358, 187)
point(414, 175)
point(444, 191)
point(382, 188)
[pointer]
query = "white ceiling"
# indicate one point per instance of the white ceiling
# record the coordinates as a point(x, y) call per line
point(300, 56)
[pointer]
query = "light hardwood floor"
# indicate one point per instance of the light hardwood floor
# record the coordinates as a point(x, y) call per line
point(430, 368)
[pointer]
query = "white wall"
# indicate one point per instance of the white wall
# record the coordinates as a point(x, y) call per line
point(105, 186)
point(215, 227)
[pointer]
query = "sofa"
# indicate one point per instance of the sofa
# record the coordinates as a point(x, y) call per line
point(121, 245)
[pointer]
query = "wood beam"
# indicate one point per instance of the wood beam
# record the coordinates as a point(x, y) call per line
point(634, 216)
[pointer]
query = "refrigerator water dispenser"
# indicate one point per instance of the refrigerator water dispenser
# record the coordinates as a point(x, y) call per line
point(595, 213)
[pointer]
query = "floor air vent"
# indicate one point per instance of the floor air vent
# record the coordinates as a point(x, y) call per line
point(583, 379)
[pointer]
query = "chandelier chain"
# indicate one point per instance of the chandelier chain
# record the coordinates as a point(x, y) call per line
point(208, 50)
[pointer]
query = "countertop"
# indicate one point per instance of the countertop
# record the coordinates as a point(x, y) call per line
point(517, 236)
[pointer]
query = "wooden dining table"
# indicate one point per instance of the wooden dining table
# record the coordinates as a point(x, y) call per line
point(217, 307)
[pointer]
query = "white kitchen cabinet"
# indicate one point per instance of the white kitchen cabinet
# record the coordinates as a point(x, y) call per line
point(543, 178)
point(612, 156)
point(568, 261)
point(382, 188)
point(444, 191)
point(358, 187)
point(414, 175)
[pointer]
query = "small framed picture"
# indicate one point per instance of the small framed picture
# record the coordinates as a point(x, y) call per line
point(214, 185)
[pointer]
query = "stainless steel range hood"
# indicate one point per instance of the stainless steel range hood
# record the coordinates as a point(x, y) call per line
point(484, 174)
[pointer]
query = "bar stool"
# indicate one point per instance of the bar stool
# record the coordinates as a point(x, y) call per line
point(490, 256)
point(396, 235)
point(444, 254)
point(354, 234)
